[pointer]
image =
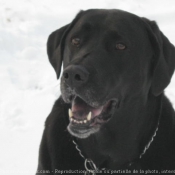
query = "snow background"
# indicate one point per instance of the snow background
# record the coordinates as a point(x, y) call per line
point(28, 85)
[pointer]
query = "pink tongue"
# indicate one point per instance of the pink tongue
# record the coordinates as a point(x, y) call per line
point(96, 111)
point(81, 109)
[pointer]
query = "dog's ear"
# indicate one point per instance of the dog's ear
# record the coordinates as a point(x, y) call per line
point(164, 58)
point(55, 45)
point(54, 48)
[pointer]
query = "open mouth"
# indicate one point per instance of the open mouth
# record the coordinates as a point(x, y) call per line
point(85, 119)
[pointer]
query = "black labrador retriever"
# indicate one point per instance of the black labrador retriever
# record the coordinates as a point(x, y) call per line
point(112, 116)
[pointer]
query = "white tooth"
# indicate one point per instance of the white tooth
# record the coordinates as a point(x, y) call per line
point(70, 113)
point(74, 121)
point(71, 119)
point(81, 122)
point(85, 121)
point(89, 116)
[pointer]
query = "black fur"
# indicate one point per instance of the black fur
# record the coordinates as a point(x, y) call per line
point(135, 77)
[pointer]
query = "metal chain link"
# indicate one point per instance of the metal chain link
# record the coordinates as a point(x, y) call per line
point(89, 165)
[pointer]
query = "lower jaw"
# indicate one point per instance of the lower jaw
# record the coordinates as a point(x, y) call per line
point(82, 133)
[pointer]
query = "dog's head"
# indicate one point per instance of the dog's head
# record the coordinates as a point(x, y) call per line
point(109, 57)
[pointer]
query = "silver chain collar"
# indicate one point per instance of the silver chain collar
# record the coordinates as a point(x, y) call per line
point(90, 166)
point(149, 143)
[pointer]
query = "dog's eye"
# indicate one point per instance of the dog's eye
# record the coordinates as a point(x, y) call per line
point(120, 46)
point(75, 42)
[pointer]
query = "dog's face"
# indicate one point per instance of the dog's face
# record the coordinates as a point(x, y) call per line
point(110, 63)
point(109, 57)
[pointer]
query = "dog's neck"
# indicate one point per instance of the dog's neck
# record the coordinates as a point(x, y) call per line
point(127, 136)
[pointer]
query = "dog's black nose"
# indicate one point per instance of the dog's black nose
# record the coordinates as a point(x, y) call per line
point(75, 75)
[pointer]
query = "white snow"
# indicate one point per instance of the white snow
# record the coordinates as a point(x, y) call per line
point(28, 82)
